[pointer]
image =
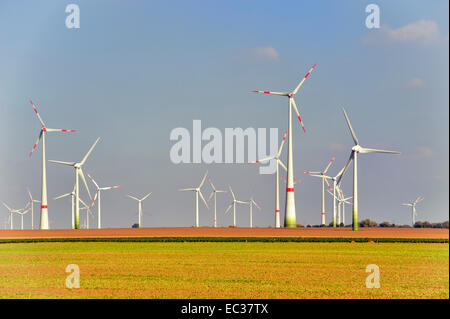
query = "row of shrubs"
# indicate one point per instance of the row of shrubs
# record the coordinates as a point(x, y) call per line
point(226, 239)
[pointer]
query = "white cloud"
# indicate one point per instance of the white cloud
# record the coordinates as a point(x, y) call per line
point(422, 32)
point(423, 152)
point(415, 83)
point(266, 53)
point(338, 147)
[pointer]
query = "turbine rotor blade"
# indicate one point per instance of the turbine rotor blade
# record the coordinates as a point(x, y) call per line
point(203, 199)
point(64, 163)
point(36, 143)
point(212, 185)
point(80, 172)
point(89, 152)
point(329, 164)
point(282, 165)
point(62, 196)
point(58, 130)
point(355, 139)
point(229, 207)
point(143, 198)
point(372, 150)
point(303, 80)
point(326, 181)
point(92, 180)
point(234, 198)
point(257, 206)
point(298, 114)
point(345, 168)
point(282, 144)
point(95, 198)
point(187, 189)
point(132, 197)
point(37, 113)
point(263, 159)
point(272, 92)
point(109, 187)
point(203, 180)
point(7, 206)
point(29, 194)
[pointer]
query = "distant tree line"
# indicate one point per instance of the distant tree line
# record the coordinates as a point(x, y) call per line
point(371, 223)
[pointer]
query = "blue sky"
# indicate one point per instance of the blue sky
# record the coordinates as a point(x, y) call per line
point(135, 70)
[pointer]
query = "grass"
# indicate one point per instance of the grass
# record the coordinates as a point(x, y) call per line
point(224, 270)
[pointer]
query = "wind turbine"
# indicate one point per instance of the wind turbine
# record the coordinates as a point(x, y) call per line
point(22, 213)
point(79, 173)
point(197, 192)
point(354, 157)
point(32, 204)
point(12, 211)
point(277, 183)
point(44, 206)
point(341, 202)
point(88, 212)
point(72, 195)
point(324, 180)
point(335, 188)
point(214, 192)
point(97, 194)
point(290, 215)
point(413, 205)
point(139, 206)
point(252, 202)
point(233, 204)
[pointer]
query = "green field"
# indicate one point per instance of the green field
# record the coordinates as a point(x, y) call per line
point(224, 270)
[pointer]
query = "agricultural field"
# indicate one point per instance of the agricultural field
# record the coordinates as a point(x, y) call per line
point(224, 269)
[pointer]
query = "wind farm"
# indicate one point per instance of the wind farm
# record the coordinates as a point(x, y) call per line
point(193, 179)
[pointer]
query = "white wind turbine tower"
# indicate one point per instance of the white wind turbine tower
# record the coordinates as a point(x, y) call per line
point(250, 203)
point(354, 157)
point(79, 173)
point(197, 192)
point(97, 194)
point(139, 206)
point(72, 195)
point(32, 204)
point(277, 182)
point(44, 205)
point(214, 192)
point(233, 204)
point(290, 214)
point(413, 206)
point(324, 180)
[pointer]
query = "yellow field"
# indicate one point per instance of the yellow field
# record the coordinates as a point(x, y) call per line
point(224, 270)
